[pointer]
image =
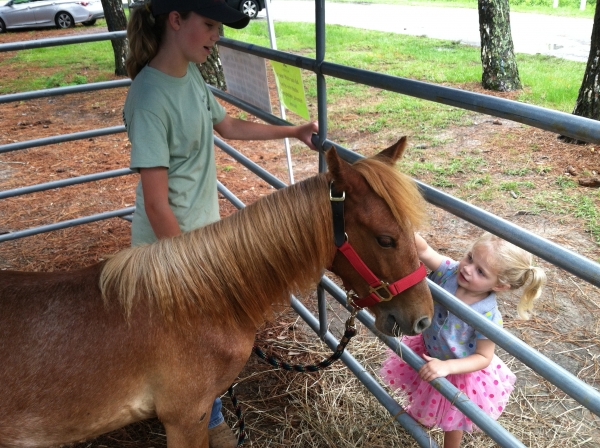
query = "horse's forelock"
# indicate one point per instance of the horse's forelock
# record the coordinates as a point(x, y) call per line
point(399, 191)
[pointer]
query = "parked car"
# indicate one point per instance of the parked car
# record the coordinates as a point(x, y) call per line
point(43, 13)
point(249, 7)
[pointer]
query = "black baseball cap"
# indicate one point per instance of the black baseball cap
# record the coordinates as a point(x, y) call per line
point(213, 9)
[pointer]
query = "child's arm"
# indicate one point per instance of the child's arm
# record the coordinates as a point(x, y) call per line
point(155, 185)
point(436, 368)
point(236, 129)
point(427, 255)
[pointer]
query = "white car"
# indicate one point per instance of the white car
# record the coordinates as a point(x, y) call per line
point(43, 13)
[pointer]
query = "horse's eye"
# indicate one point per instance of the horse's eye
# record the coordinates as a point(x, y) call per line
point(386, 241)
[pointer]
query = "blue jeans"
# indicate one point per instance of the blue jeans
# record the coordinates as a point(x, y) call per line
point(216, 418)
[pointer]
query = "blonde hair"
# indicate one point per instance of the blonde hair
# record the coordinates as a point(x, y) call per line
point(514, 267)
point(144, 34)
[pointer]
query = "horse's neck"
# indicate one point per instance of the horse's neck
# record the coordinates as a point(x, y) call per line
point(283, 240)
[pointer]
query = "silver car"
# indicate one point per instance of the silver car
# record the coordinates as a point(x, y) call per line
point(42, 13)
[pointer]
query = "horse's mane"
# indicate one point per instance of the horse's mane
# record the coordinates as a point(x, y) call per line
point(243, 265)
point(235, 268)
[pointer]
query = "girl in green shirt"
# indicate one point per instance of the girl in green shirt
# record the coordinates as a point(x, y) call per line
point(170, 115)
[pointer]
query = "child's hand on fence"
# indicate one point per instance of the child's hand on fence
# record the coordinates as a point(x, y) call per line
point(433, 368)
point(305, 133)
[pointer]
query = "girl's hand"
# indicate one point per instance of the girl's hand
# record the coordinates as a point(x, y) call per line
point(436, 368)
point(305, 133)
point(433, 368)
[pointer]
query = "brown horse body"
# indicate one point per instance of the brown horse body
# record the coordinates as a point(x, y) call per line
point(160, 330)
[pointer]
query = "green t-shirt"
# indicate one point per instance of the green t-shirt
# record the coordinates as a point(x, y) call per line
point(170, 122)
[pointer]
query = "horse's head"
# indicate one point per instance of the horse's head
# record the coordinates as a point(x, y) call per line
point(379, 213)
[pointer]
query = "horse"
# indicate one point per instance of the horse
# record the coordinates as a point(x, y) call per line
point(160, 330)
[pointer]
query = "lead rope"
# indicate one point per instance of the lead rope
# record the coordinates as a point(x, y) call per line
point(349, 333)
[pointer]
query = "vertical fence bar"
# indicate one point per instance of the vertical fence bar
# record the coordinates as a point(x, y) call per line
point(322, 117)
point(321, 85)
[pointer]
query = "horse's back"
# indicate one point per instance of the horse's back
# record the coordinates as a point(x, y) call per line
point(33, 302)
point(33, 288)
point(59, 349)
point(73, 367)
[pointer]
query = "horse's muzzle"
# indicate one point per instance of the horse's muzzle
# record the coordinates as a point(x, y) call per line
point(421, 324)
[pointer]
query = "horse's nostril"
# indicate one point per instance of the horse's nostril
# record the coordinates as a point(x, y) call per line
point(422, 324)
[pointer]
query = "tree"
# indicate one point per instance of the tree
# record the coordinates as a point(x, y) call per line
point(212, 70)
point(116, 21)
point(500, 71)
point(588, 103)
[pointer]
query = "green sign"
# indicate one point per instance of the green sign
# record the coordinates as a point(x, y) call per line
point(291, 89)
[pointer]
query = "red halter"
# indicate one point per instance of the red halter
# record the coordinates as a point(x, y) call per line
point(379, 290)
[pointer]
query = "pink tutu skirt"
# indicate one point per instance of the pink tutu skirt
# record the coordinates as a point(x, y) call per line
point(488, 388)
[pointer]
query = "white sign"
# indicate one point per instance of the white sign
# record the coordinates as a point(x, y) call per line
point(246, 77)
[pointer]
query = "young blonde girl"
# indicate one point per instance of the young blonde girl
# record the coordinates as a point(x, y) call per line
point(170, 115)
point(455, 350)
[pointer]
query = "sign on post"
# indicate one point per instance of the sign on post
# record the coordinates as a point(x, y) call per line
point(246, 77)
point(291, 89)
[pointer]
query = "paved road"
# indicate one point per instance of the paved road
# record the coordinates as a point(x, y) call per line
point(563, 37)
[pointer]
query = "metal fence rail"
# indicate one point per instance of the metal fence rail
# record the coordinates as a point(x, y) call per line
point(59, 91)
point(558, 122)
point(550, 120)
point(61, 138)
point(566, 259)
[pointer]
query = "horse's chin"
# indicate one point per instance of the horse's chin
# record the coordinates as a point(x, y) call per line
point(391, 327)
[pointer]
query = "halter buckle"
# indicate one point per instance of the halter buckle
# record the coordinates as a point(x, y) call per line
point(385, 286)
point(333, 198)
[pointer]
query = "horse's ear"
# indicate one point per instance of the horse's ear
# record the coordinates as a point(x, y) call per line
point(339, 169)
point(392, 154)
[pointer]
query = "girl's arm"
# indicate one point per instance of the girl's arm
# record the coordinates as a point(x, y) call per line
point(427, 255)
point(236, 129)
point(155, 185)
point(436, 368)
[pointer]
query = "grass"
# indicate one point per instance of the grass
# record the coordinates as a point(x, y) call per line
point(569, 8)
point(68, 65)
point(548, 82)
point(571, 200)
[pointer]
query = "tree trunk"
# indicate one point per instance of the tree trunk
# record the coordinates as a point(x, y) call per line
point(212, 70)
point(116, 21)
point(500, 71)
point(588, 104)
